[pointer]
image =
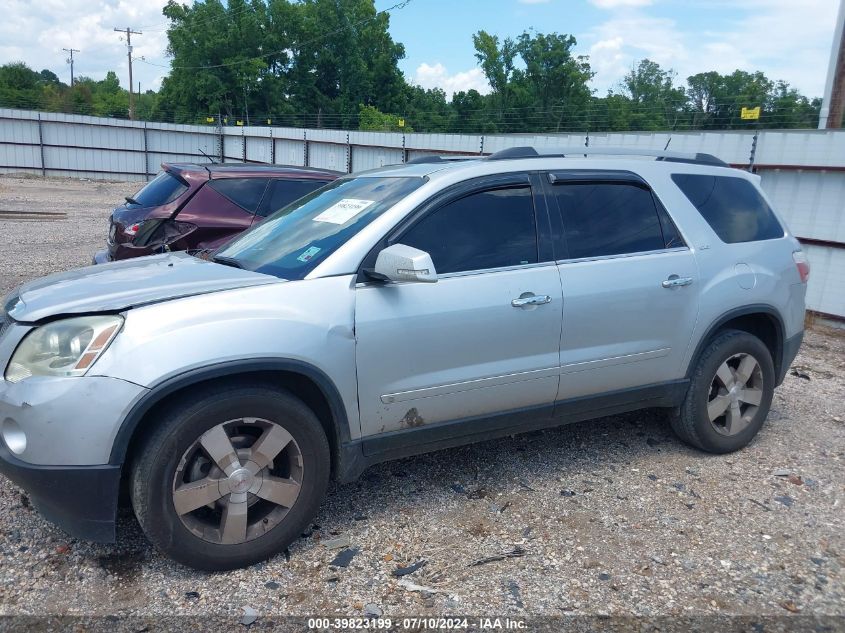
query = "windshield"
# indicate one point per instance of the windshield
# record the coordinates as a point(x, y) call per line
point(294, 240)
point(160, 190)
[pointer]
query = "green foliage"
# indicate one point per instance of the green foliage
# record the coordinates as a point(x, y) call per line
point(321, 58)
point(371, 119)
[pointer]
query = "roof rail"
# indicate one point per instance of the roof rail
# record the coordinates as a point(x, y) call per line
point(439, 159)
point(555, 152)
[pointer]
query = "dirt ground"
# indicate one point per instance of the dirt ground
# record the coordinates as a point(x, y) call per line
point(613, 516)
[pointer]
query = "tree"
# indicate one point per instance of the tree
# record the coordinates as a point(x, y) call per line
point(556, 79)
point(371, 119)
point(654, 103)
point(497, 64)
point(427, 109)
point(19, 86)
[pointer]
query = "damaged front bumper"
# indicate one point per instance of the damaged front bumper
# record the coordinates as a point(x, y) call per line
point(81, 500)
point(56, 436)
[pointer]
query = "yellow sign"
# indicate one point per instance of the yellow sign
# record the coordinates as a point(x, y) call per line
point(401, 122)
point(209, 119)
point(269, 122)
point(239, 122)
point(750, 113)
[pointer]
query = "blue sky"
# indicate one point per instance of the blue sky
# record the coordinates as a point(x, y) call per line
point(787, 39)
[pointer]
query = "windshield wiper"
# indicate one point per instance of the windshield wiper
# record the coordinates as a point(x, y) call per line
point(227, 261)
point(131, 200)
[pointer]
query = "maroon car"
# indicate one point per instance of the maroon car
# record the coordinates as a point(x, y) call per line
point(200, 207)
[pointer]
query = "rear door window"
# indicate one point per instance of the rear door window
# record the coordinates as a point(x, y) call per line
point(162, 189)
point(494, 228)
point(601, 219)
point(732, 207)
point(244, 192)
point(283, 191)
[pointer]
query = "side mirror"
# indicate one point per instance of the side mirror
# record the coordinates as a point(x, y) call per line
point(404, 263)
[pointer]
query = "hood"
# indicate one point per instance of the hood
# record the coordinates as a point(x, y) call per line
point(125, 284)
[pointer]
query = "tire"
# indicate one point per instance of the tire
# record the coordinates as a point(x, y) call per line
point(250, 486)
point(718, 383)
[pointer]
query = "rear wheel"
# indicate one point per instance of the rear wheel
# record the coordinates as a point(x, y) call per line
point(231, 476)
point(729, 394)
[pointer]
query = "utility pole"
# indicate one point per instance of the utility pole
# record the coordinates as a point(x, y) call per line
point(70, 61)
point(129, 33)
point(833, 103)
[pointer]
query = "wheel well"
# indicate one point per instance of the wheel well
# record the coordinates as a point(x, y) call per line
point(763, 325)
point(299, 385)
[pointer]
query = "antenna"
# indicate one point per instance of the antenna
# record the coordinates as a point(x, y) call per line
point(213, 162)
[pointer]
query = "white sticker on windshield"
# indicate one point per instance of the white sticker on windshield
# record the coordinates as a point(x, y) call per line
point(343, 211)
point(308, 254)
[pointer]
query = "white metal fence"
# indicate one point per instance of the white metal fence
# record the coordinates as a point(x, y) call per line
point(803, 171)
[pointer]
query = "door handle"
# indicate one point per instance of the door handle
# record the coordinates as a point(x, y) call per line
point(674, 281)
point(528, 299)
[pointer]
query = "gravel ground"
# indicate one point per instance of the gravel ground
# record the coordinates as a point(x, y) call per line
point(613, 516)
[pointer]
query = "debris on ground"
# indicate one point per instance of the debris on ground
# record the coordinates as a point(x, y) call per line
point(337, 543)
point(516, 552)
point(410, 569)
point(344, 558)
point(250, 615)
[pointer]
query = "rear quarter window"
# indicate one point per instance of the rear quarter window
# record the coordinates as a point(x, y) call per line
point(162, 189)
point(732, 207)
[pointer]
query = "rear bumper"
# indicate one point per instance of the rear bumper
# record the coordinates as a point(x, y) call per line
point(790, 351)
point(82, 500)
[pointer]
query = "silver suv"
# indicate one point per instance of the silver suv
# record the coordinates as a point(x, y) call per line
point(390, 313)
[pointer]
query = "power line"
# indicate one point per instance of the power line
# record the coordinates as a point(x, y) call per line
point(70, 61)
point(164, 26)
point(129, 33)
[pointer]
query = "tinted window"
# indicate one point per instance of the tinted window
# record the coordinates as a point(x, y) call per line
point(283, 192)
point(671, 235)
point(489, 229)
point(733, 207)
point(244, 192)
point(160, 190)
point(608, 219)
point(292, 242)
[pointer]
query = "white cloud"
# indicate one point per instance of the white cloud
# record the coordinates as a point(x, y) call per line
point(36, 33)
point(785, 39)
point(616, 4)
point(437, 76)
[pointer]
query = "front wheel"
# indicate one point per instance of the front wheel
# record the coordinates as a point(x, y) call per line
point(729, 395)
point(230, 476)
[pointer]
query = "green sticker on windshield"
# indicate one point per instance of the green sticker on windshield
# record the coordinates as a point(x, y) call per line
point(308, 254)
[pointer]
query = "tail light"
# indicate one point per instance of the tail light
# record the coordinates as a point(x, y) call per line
point(132, 229)
point(802, 264)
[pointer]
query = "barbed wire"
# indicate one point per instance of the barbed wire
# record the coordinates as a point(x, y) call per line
point(539, 122)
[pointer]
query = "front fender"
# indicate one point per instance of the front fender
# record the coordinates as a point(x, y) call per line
point(308, 323)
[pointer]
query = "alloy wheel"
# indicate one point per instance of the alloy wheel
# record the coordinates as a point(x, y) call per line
point(237, 481)
point(735, 394)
